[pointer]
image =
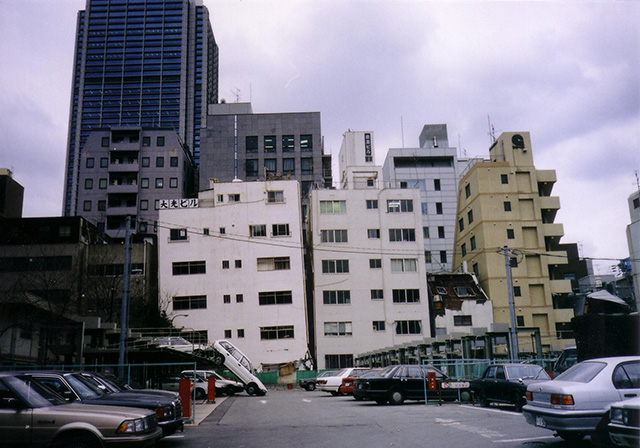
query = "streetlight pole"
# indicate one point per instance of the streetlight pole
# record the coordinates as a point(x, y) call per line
point(513, 330)
point(124, 313)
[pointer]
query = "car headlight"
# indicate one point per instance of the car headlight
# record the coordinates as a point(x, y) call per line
point(164, 412)
point(617, 415)
point(133, 426)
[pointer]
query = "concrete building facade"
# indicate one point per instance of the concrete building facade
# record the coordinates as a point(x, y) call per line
point(11, 195)
point(507, 202)
point(369, 280)
point(232, 266)
point(633, 240)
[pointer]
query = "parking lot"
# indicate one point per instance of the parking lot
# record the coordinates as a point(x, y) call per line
point(297, 418)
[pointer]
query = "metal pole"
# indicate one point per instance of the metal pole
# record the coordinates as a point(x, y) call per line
point(124, 316)
point(513, 331)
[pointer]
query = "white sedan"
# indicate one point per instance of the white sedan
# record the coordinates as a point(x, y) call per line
point(577, 402)
point(332, 383)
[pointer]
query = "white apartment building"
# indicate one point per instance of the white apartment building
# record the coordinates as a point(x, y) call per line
point(233, 266)
point(434, 169)
point(370, 287)
point(633, 240)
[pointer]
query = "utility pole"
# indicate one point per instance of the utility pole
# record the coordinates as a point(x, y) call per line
point(124, 315)
point(513, 329)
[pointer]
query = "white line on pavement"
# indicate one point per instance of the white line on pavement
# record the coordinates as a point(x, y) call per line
point(491, 410)
point(524, 440)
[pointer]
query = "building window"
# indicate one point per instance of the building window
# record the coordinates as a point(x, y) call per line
point(160, 141)
point(104, 162)
point(88, 184)
point(274, 264)
point(463, 249)
point(335, 266)
point(375, 263)
point(520, 321)
point(306, 165)
point(173, 162)
point(251, 143)
point(279, 332)
point(333, 207)
point(462, 321)
point(476, 269)
point(159, 162)
point(222, 230)
point(507, 206)
point(105, 142)
point(239, 298)
point(280, 230)
point(510, 234)
point(225, 264)
point(86, 206)
point(205, 231)
point(504, 178)
point(398, 235)
point(373, 234)
point(258, 230)
point(436, 184)
point(406, 296)
point(443, 256)
point(227, 334)
point(189, 303)
point(306, 142)
point(467, 190)
point(338, 361)
point(102, 206)
point(425, 232)
point(372, 204)
point(377, 294)
point(339, 329)
point(178, 234)
point(517, 292)
point(289, 166)
point(404, 265)
point(146, 162)
point(275, 298)
point(399, 205)
point(189, 267)
point(233, 197)
point(408, 326)
point(288, 143)
point(460, 224)
point(90, 162)
point(238, 264)
point(336, 297)
point(173, 182)
point(240, 333)
point(251, 167)
point(269, 143)
point(159, 182)
point(378, 325)
point(427, 256)
point(441, 232)
point(270, 165)
point(334, 236)
point(146, 141)
point(438, 208)
point(102, 184)
point(425, 208)
point(470, 216)
point(473, 243)
point(275, 197)
point(564, 330)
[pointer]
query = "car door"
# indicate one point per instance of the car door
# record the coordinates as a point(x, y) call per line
point(15, 422)
point(413, 377)
point(500, 387)
point(626, 379)
point(487, 381)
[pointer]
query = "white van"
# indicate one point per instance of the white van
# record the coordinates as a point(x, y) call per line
point(227, 354)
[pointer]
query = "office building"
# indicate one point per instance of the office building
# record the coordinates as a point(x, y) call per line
point(11, 195)
point(507, 202)
point(139, 64)
point(633, 240)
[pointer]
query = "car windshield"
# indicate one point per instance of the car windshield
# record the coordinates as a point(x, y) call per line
point(582, 372)
point(386, 372)
point(36, 394)
point(526, 371)
point(233, 351)
point(84, 388)
point(327, 373)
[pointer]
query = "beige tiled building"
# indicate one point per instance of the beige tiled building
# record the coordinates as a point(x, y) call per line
point(506, 201)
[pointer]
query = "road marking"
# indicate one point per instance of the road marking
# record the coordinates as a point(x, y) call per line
point(487, 433)
point(306, 401)
point(174, 436)
point(491, 410)
point(524, 440)
point(263, 401)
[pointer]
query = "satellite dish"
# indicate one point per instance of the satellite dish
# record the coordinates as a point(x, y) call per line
point(518, 141)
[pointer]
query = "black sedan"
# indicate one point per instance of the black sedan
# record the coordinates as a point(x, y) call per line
point(507, 383)
point(74, 387)
point(395, 384)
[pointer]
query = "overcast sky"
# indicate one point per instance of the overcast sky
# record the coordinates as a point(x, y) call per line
point(568, 72)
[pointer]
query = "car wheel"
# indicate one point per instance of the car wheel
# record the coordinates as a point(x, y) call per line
point(571, 437)
point(252, 388)
point(334, 393)
point(358, 398)
point(311, 387)
point(200, 394)
point(230, 391)
point(381, 400)
point(76, 441)
point(396, 397)
point(482, 399)
point(218, 359)
point(517, 401)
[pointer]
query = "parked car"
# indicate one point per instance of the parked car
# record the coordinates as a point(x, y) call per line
point(332, 383)
point(74, 387)
point(223, 385)
point(577, 402)
point(310, 383)
point(346, 387)
point(182, 345)
point(228, 355)
point(624, 426)
point(112, 384)
point(395, 384)
point(567, 358)
point(507, 383)
point(32, 415)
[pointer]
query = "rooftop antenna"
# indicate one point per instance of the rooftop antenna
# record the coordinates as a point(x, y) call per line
point(402, 130)
point(637, 180)
point(236, 93)
point(492, 132)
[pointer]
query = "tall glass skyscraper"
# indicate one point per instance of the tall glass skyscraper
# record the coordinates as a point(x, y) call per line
point(140, 63)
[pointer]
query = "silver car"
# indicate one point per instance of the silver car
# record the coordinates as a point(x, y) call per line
point(624, 428)
point(577, 402)
point(32, 415)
